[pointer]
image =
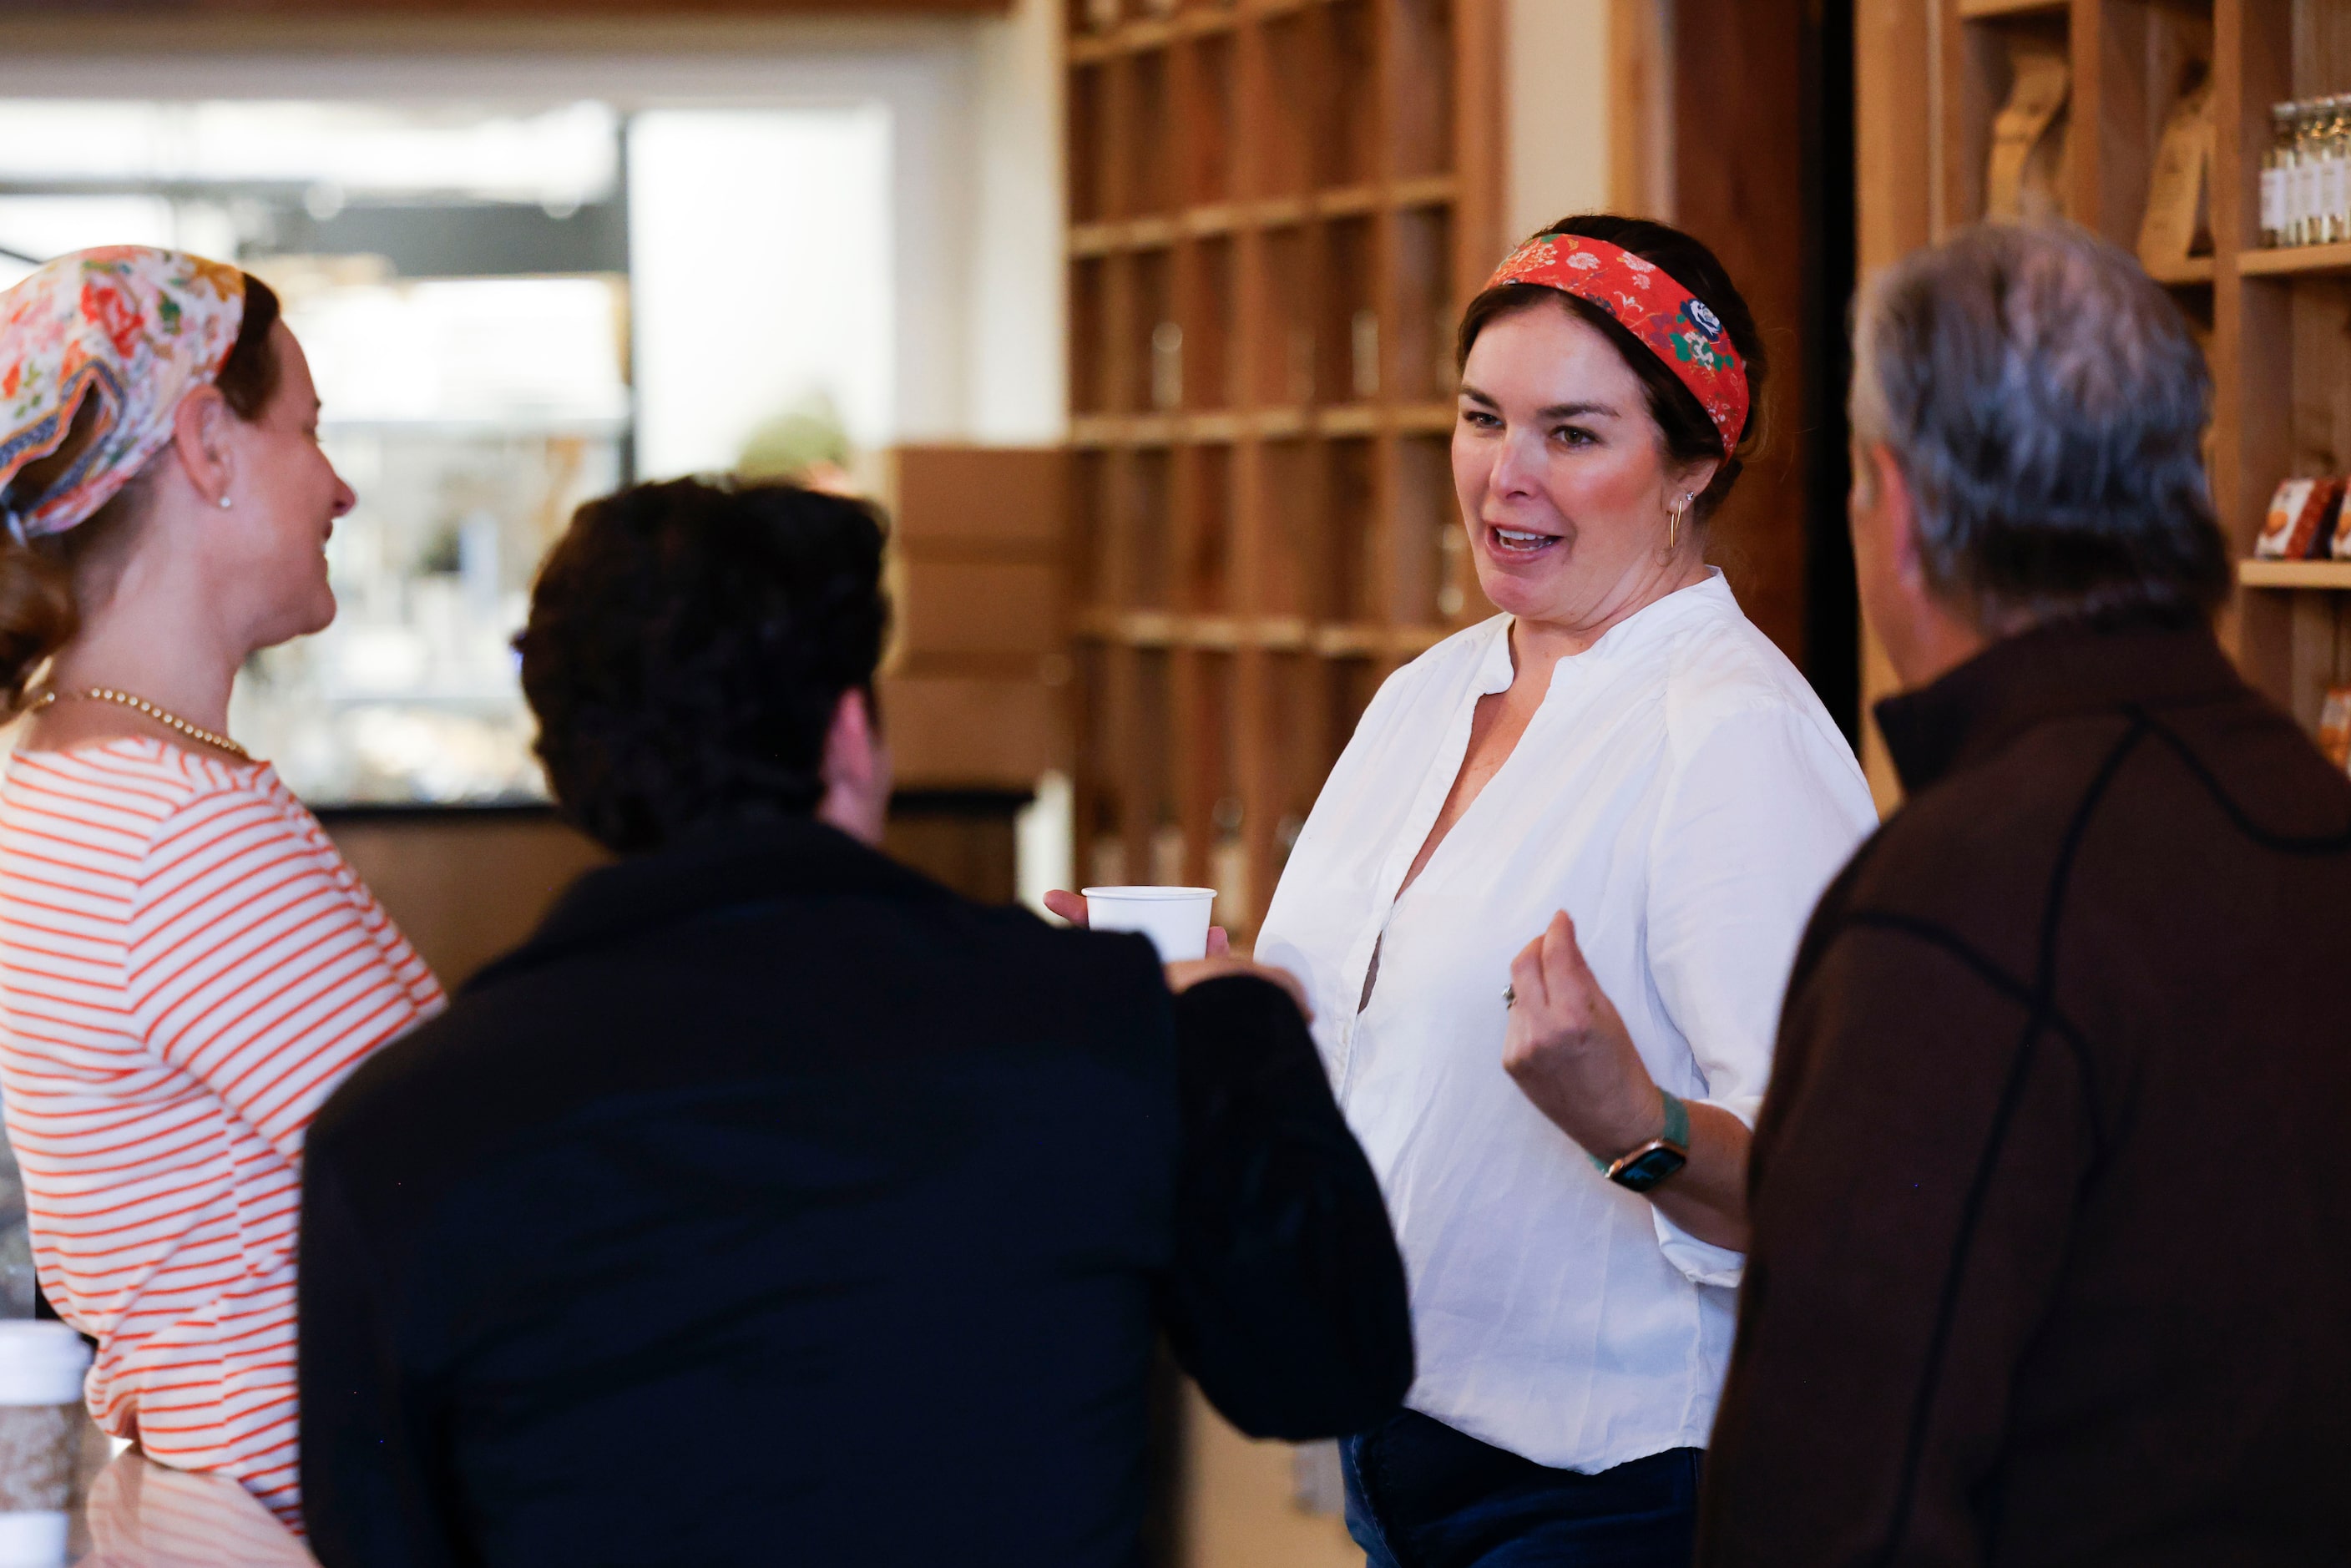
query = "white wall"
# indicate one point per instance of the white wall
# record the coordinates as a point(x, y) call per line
point(1556, 74)
point(760, 266)
point(1019, 366)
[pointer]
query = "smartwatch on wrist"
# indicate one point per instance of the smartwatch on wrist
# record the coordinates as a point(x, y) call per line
point(1658, 1158)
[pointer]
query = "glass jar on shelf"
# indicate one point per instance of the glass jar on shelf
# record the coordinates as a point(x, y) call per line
point(2335, 170)
point(2277, 169)
point(2302, 185)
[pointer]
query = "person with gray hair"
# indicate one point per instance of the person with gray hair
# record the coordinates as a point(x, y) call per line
point(2049, 1191)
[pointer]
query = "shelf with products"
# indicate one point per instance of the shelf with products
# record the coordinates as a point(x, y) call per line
point(2311, 261)
point(2283, 387)
point(2305, 175)
point(2152, 123)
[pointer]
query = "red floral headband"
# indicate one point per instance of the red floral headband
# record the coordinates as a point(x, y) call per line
point(1642, 298)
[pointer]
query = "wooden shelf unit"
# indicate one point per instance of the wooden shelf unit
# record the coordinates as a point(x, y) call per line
point(2282, 382)
point(1276, 210)
point(2272, 321)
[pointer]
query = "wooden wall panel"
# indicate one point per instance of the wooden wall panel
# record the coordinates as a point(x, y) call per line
point(465, 886)
point(974, 696)
point(1898, 164)
point(1640, 118)
point(1738, 161)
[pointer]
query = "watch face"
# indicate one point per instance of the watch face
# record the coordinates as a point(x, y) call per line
point(1648, 1168)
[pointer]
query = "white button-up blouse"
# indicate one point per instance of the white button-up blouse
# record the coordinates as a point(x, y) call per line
point(1682, 794)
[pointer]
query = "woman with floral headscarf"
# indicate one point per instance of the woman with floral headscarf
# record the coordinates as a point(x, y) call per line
point(187, 968)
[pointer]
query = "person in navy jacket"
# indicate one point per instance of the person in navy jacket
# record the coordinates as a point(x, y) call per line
point(773, 1204)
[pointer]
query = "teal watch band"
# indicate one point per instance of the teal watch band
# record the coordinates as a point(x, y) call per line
point(1677, 1120)
point(1677, 1131)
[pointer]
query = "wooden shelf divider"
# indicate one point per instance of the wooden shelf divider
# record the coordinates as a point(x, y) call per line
point(2310, 260)
point(2310, 574)
point(1975, 10)
point(1276, 210)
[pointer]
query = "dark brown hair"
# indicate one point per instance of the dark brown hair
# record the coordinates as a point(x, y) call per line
point(688, 645)
point(37, 612)
point(1689, 436)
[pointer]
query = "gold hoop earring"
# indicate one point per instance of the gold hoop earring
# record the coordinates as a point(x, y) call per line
point(1673, 522)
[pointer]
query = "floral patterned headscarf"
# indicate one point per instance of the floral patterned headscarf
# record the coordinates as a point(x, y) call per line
point(138, 329)
point(1642, 297)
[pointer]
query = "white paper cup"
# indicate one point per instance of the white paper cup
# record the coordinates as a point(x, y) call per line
point(1175, 918)
point(42, 1365)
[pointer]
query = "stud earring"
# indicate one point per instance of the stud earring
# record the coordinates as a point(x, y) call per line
point(226, 503)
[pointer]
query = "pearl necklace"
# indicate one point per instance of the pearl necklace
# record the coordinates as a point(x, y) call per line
point(108, 695)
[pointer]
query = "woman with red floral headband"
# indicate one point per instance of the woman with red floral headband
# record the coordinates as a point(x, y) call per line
point(187, 968)
point(1621, 767)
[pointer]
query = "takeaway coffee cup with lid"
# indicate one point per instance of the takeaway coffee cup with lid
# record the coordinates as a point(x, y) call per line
point(1175, 918)
point(42, 1364)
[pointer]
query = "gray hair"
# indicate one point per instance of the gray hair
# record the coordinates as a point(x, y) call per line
point(2046, 404)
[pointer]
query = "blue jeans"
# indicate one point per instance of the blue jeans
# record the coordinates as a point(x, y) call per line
point(1422, 1495)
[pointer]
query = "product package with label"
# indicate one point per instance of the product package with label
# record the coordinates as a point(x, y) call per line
point(2334, 727)
point(2302, 523)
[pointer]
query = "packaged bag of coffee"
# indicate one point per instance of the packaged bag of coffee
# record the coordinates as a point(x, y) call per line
point(2334, 727)
point(2300, 520)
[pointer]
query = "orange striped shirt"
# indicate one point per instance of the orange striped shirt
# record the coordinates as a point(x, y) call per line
point(187, 968)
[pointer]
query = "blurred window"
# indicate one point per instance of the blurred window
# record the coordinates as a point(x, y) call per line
point(507, 312)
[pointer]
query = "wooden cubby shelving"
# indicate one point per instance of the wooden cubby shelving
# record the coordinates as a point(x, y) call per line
point(1277, 209)
point(2273, 320)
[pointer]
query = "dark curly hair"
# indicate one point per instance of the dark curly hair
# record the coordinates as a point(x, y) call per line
point(688, 645)
point(1690, 436)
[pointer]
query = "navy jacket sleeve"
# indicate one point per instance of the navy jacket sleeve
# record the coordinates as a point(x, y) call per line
point(370, 1496)
point(1287, 1301)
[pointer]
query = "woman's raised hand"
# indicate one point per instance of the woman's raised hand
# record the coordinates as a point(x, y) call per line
point(1185, 973)
point(1568, 1051)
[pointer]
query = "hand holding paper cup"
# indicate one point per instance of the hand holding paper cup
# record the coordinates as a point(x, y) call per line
point(1103, 909)
point(1175, 918)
